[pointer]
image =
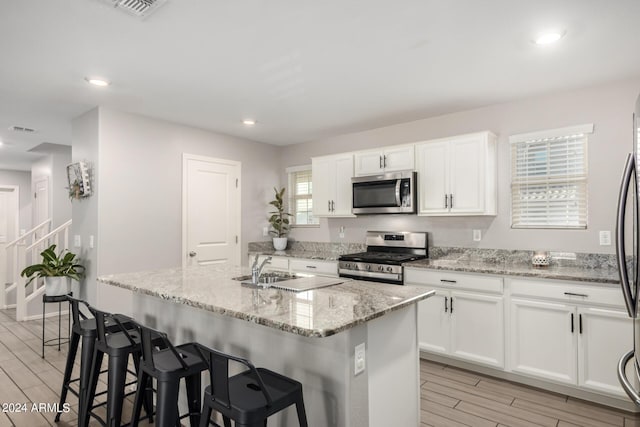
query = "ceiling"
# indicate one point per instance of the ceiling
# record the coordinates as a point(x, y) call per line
point(303, 69)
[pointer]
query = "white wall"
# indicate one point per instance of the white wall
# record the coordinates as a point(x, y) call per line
point(608, 107)
point(54, 166)
point(23, 180)
point(136, 212)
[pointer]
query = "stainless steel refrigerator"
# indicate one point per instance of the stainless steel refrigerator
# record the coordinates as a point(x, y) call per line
point(628, 266)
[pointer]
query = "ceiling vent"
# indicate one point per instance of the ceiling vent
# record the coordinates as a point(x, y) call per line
point(139, 8)
point(21, 129)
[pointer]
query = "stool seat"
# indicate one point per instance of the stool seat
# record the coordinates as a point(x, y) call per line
point(165, 362)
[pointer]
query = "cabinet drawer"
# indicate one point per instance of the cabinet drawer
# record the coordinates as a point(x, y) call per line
point(567, 292)
point(482, 283)
point(327, 268)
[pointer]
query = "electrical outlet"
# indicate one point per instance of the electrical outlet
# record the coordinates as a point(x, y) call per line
point(359, 359)
point(92, 241)
point(265, 231)
point(77, 241)
point(477, 235)
point(605, 238)
point(341, 234)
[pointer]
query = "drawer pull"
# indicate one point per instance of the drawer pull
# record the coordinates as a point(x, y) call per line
point(571, 322)
point(446, 307)
point(572, 294)
point(311, 266)
point(448, 281)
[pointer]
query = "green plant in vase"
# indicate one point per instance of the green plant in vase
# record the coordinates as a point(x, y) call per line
point(56, 269)
point(279, 221)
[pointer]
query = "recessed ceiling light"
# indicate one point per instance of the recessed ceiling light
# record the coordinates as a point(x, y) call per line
point(248, 122)
point(548, 38)
point(96, 81)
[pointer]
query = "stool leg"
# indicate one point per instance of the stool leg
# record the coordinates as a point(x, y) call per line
point(43, 328)
point(86, 357)
point(166, 408)
point(148, 397)
point(140, 396)
point(194, 388)
point(302, 414)
point(96, 364)
point(59, 323)
point(206, 414)
point(117, 376)
point(71, 357)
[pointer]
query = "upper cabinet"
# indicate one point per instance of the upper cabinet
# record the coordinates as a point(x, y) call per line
point(457, 175)
point(389, 159)
point(331, 177)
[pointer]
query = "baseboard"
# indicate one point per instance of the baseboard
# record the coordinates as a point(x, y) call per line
point(39, 316)
point(600, 399)
point(8, 306)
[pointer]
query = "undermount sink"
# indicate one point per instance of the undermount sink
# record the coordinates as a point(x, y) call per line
point(266, 278)
point(295, 282)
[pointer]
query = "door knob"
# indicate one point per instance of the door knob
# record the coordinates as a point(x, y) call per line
point(192, 254)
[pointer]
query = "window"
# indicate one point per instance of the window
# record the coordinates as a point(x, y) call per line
point(300, 191)
point(549, 178)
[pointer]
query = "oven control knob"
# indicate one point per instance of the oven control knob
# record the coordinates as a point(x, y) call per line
point(347, 265)
point(368, 267)
point(389, 269)
point(380, 268)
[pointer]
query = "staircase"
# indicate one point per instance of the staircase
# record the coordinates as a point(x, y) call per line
point(25, 251)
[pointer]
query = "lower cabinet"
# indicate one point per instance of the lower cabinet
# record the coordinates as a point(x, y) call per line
point(569, 344)
point(298, 265)
point(466, 325)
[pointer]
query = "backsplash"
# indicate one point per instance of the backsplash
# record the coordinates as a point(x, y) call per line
point(337, 248)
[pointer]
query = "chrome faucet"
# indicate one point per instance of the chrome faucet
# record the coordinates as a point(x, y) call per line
point(256, 270)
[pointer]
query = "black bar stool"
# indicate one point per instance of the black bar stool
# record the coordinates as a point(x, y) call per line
point(118, 343)
point(168, 365)
point(250, 397)
point(83, 328)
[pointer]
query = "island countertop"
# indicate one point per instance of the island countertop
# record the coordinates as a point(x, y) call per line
point(316, 313)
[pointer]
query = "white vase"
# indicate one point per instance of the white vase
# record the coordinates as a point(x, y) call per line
point(280, 243)
point(57, 285)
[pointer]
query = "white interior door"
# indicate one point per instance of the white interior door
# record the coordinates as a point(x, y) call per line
point(211, 211)
point(41, 202)
point(9, 211)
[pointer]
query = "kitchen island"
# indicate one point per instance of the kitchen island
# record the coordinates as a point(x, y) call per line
point(309, 336)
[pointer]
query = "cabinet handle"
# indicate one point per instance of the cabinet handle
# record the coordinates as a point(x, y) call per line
point(329, 205)
point(333, 206)
point(381, 162)
point(446, 201)
point(311, 266)
point(580, 322)
point(446, 307)
point(451, 311)
point(448, 281)
point(384, 161)
point(451, 200)
point(572, 294)
point(571, 322)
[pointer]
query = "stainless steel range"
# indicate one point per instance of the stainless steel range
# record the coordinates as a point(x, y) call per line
point(386, 251)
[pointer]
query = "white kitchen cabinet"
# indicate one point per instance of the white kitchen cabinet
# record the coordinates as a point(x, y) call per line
point(572, 340)
point(314, 266)
point(331, 177)
point(388, 159)
point(468, 325)
point(457, 175)
point(543, 342)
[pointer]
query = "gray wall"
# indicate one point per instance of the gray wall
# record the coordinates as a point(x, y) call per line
point(23, 180)
point(54, 165)
point(608, 107)
point(136, 212)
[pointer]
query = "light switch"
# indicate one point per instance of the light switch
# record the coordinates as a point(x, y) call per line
point(77, 241)
point(265, 231)
point(477, 235)
point(91, 242)
point(359, 359)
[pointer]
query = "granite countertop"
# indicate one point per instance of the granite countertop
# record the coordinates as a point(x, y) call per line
point(317, 313)
point(605, 276)
point(306, 254)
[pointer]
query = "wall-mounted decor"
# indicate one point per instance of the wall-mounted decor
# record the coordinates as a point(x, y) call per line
point(79, 177)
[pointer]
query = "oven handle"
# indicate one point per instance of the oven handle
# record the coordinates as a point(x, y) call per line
point(373, 274)
point(398, 182)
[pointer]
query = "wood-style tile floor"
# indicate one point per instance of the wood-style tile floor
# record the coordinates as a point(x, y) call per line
point(455, 397)
point(449, 396)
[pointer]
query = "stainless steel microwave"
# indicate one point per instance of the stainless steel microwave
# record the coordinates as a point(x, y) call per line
point(385, 193)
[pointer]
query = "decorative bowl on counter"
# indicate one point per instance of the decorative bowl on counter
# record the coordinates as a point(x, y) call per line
point(540, 259)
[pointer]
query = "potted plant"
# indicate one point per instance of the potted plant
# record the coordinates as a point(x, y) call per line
point(279, 221)
point(57, 271)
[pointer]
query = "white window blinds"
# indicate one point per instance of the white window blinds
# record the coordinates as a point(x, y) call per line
point(300, 195)
point(549, 179)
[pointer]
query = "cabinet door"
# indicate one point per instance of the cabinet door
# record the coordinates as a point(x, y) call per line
point(434, 323)
point(542, 342)
point(368, 163)
point(467, 174)
point(604, 336)
point(323, 178)
point(399, 159)
point(477, 328)
point(343, 194)
point(433, 177)
point(320, 268)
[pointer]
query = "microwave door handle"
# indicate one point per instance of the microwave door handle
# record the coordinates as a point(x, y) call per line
point(627, 176)
point(398, 182)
